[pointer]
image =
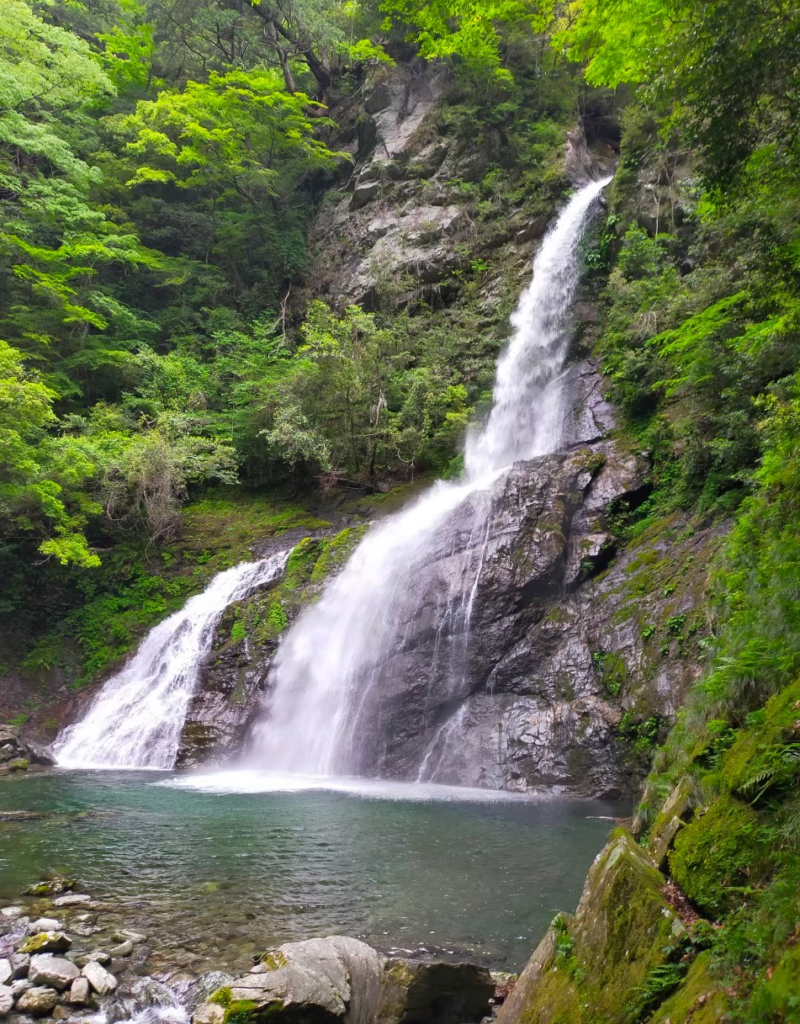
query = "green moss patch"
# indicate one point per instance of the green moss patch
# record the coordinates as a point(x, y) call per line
point(718, 856)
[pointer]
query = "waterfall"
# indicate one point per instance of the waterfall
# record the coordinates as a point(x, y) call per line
point(331, 669)
point(137, 718)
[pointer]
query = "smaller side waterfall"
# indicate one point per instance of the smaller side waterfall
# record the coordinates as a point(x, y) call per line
point(136, 719)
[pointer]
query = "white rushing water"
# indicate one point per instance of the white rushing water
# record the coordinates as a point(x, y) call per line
point(328, 667)
point(137, 718)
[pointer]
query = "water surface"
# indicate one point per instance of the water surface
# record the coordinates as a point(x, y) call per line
point(215, 873)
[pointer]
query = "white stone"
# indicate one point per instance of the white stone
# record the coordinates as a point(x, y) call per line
point(71, 899)
point(6, 972)
point(12, 912)
point(6, 1000)
point(101, 980)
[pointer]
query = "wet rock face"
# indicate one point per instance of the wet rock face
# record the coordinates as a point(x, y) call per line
point(494, 684)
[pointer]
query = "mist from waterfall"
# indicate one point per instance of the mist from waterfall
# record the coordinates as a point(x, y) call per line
point(330, 668)
point(137, 718)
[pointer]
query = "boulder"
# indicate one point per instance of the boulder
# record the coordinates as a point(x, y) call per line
point(6, 1000)
point(419, 992)
point(38, 1001)
point(122, 950)
point(332, 979)
point(46, 942)
point(54, 971)
point(101, 980)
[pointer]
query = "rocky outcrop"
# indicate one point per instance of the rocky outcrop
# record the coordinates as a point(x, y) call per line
point(17, 754)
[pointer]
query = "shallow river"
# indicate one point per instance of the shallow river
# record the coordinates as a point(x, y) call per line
point(218, 867)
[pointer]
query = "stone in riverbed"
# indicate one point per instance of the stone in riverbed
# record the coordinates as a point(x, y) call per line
point(80, 992)
point(125, 935)
point(12, 912)
point(54, 971)
point(101, 980)
point(46, 942)
point(20, 986)
point(99, 956)
point(6, 1000)
point(51, 886)
point(38, 1001)
point(6, 971)
point(71, 899)
point(123, 949)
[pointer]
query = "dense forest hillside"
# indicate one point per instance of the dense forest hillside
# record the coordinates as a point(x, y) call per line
point(180, 378)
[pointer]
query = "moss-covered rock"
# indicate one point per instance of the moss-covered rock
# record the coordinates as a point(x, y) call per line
point(718, 855)
point(699, 1000)
point(595, 968)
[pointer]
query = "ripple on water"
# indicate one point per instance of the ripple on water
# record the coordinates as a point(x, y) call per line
point(230, 863)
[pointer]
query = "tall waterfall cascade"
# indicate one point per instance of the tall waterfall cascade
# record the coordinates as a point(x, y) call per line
point(332, 667)
point(137, 718)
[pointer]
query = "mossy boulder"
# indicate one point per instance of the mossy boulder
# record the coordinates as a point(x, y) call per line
point(593, 968)
point(777, 996)
point(46, 942)
point(717, 857)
